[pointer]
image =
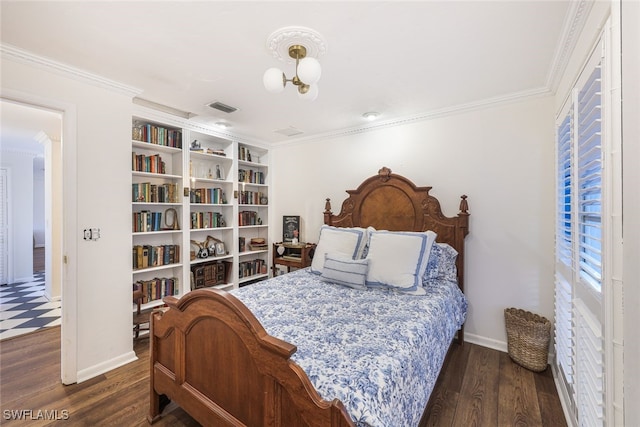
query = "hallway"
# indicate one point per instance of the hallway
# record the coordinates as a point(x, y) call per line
point(23, 306)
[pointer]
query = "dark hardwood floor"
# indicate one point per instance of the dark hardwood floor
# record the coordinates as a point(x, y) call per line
point(38, 260)
point(480, 387)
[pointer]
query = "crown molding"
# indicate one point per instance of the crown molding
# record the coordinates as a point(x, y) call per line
point(13, 53)
point(429, 115)
point(573, 24)
point(21, 152)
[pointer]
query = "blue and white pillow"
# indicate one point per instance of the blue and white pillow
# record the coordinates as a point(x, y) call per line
point(442, 263)
point(346, 241)
point(398, 259)
point(345, 271)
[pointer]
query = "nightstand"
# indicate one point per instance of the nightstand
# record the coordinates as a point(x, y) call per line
point(290, 255)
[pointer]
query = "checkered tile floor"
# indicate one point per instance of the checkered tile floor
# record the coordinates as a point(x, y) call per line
point(24, 308)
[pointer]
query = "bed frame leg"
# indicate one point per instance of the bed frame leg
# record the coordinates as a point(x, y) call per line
point(155, 410)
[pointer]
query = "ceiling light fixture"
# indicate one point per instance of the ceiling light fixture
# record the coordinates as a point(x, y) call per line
point(371, 115)
point(302, 45)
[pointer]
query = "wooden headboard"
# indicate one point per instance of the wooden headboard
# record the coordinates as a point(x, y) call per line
point(388, 201)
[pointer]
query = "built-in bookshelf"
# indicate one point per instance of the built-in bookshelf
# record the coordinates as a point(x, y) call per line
point(196, 196)
point(253, 213)
point(211, 206)
point(156, 198)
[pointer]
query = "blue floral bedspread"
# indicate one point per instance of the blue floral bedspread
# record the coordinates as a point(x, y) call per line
point(378, 351)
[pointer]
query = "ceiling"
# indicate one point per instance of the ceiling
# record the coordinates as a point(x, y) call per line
point(405, 60)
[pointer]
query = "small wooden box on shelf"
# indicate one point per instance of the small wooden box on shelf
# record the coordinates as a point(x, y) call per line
point(292, 255)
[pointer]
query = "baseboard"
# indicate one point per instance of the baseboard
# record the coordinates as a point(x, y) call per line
point(486, 342)
point(52, 298)
point(101, 368)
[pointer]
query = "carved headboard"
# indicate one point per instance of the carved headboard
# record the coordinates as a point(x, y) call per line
point(388, 201)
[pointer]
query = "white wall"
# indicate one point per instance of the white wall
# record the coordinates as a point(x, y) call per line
point(38, 203)
point(20, 166)
point(501, 157)
point(100, 139)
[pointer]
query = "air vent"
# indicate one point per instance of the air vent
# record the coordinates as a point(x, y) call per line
point(222, 107)
point(290, 131)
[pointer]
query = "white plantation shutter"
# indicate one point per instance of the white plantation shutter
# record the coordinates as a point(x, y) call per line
point(579, 348)
point(589, 368)
point(564, 334)
point(564, 240)
point(589, 179)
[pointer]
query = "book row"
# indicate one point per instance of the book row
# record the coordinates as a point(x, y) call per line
point(252, 198)
point(251, 268)
point(153, 193)
point(145, 221)
point(248, 218)
point(244, 154)
point(207, 220)
point(158, 288)
point(145, 256)
point(208, 196)
point(251, 176)
point(157, 135)
point(152, 164)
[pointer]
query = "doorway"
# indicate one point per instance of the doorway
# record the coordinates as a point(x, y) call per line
point(33, 248)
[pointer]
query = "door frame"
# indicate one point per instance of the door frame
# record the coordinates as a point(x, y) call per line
point(69, 320)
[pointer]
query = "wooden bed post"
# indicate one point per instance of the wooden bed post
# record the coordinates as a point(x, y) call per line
point(327, 212)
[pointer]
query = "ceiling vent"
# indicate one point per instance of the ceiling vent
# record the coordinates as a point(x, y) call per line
point(222, 107)
point(290, 131)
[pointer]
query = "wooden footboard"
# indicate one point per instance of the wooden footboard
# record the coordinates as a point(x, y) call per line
point(211, 356)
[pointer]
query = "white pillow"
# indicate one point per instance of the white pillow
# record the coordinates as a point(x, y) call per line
point(398, 259)
point(345, 271)
point(334, 240)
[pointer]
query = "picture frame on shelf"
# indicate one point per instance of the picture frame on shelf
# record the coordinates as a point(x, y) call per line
point(291, 229)
point(220, 250)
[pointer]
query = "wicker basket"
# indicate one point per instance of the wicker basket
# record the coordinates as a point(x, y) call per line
point(528, 338)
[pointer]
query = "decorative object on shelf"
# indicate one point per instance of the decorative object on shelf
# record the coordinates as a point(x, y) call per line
point(303, 45)
point(136, 132)
point(195, 145)
point(290, 228)
point(258, 244)
point(215, 247)
point(202, 251)
point(173, 224)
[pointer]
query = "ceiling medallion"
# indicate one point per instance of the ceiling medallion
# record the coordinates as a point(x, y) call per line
point(280, 40)
point(302, 46)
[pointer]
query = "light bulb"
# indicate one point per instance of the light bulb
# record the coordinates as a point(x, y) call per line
point(309, 70)
point(274, 80)
point(310, 95)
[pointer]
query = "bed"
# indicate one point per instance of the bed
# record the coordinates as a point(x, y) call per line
point(321, 347)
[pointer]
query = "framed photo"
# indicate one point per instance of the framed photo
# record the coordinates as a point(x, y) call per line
point(290, 228)
point(220, 249)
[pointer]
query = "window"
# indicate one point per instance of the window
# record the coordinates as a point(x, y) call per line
point(589, 180)
point(564, 242)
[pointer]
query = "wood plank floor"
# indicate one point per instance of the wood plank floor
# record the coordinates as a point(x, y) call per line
point(38, 259)
point(481, 387)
